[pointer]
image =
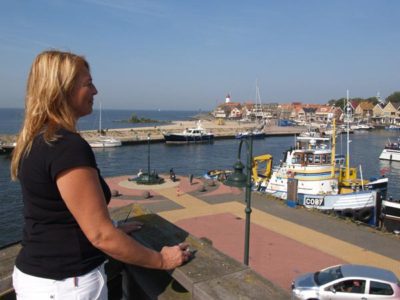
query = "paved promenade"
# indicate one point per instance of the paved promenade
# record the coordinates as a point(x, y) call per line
point(284, 241)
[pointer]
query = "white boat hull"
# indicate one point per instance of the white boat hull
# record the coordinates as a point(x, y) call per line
point(358, 205)
point(354, 201)
point(105, 143)
point(388, 154)
point(391, 215)
point(320, 187)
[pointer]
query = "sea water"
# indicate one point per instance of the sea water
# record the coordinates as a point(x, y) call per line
point(195, 159)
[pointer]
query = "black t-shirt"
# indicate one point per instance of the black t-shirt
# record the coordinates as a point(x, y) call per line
point(53, 245)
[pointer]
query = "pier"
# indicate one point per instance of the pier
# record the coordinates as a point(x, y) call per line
point(139, 135)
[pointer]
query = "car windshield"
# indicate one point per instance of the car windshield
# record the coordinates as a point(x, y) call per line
point(328, 275)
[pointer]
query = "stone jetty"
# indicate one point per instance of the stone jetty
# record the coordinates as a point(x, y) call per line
point(140, 134)
point(221, 131)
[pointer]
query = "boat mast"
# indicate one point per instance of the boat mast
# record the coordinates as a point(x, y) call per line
point(348, 116)
point(258, 109)
point(333, 153)
point(100, 117)
point(258, 98)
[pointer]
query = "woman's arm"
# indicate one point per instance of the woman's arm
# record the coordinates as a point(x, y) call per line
point(80, 188)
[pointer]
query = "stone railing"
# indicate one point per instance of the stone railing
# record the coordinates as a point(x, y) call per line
point(209, 275)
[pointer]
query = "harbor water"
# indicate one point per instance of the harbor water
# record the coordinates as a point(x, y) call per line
point(365, 148)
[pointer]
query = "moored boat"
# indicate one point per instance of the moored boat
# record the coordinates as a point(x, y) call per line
point(190, 135)
point(313, 175)
point(390, 215)
point(393, 127)
point(391, 151)
point(310, 163)
point(105, 142)
point(256, 134)
point(359, 205)
point(7, 148)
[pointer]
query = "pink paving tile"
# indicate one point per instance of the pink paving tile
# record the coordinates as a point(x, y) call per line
point(274, 256)
point(219, 189)
point(223, 190)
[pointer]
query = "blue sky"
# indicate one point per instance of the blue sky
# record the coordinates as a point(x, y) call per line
point(186, 54)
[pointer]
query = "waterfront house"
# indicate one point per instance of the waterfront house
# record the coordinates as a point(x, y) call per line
point(326, 113)
point(363, 111)
point(377, 113)
point(309, 113)
point(247, 108)
point(236, 111)
point(284, 111)
point(298, 115)
point(391, 113)
point(219, 112)
point(231, 110)
point(270, 110)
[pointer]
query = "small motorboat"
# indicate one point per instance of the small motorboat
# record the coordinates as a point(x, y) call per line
point(391, 151)
point(256, 134)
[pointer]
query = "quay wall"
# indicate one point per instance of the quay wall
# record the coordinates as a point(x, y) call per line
point(140, 134)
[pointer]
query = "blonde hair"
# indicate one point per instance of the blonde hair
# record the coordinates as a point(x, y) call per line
point(51, 81)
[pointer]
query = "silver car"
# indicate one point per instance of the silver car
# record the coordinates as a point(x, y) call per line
point(347, 282)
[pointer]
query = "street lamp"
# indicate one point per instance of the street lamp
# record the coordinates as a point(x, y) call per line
point(149, 178)
point(240, 180)
point(148, 155)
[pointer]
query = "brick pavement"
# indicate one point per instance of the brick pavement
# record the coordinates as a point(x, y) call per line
point(281, 244)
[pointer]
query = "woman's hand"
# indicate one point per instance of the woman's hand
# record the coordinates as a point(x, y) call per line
point(175, 256)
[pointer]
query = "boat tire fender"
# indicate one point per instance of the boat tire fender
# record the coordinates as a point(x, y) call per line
point(348, 213)
point(364, 215)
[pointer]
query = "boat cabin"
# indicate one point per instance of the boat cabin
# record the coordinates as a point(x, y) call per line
point(311, 158)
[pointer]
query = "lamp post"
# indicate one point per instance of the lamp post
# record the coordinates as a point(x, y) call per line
point(149, 178)
point(240, 180)
point(148, 156)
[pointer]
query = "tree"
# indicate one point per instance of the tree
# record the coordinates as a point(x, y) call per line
point(332, 102)
point(372, 100)
point(394, 98)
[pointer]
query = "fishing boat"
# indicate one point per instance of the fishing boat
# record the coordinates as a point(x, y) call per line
point(190, 135)
point(310, 163)
point(390, 215)
point(391, 151)
point(256, 134)
point(104, 141)
point(315, 176)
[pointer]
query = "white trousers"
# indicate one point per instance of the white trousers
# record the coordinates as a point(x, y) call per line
point(90, 286)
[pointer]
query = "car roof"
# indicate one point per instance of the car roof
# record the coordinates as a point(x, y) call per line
point(369, 272)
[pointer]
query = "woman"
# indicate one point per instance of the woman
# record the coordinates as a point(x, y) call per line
point(67, 229)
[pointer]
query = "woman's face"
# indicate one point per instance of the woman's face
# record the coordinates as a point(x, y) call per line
point(82, 95)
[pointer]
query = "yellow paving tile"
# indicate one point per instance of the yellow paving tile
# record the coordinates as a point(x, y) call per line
point(183, 199)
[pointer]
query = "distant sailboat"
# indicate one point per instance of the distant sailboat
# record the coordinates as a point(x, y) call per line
point(103, 141)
